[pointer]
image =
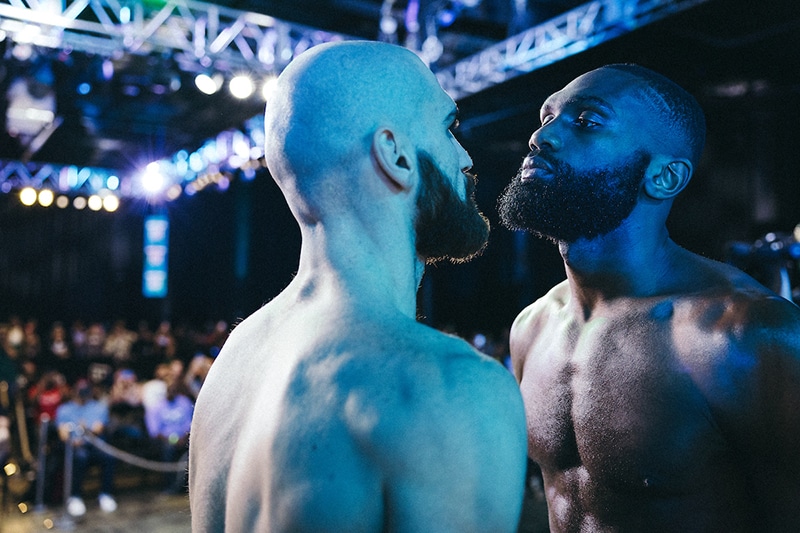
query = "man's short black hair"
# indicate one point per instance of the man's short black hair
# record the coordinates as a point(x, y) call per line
point(680, 109)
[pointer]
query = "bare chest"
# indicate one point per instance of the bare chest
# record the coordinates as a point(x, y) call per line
point(614, 399)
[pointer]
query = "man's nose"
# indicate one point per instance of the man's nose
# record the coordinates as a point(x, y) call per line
point(545, 136)
point(464, 159)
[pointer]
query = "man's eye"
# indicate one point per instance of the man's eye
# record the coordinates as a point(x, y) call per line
point(584, 122)
point(546, 119)
point(454, 126)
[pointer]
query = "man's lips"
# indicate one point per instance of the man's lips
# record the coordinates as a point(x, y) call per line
point(535, 167)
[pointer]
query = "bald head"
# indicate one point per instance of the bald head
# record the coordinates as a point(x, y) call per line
point(330, 100)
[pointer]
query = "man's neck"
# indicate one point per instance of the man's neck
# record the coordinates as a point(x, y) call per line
point(359, 270)
point(618, 266)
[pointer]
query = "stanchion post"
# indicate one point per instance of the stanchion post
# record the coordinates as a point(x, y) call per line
point(66, 522)
point(41, 463)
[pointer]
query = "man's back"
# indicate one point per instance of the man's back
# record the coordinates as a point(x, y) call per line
point(319, 418)
point(645, 416)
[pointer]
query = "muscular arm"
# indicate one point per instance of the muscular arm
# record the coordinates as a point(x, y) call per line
point(453, 458)
point(775, 440)
point(765, 418)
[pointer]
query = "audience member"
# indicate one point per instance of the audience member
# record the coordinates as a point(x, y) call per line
point(75, 417)
point(95, 340)
point(164, 341)
point(15, 337)
point(196, 374)
point(48, 394)
point(119, 343)
point(155, 388)
point(59, 352)
point(126, 411)
point(168, 423)
point(77, 335)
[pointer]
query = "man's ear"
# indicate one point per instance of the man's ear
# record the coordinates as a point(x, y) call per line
point(666, 177)
point(391, 157)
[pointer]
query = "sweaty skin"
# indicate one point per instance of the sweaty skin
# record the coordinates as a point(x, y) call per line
point(661, 389)
point(331, 409)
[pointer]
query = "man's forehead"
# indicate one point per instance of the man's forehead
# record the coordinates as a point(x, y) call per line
point(601, 87)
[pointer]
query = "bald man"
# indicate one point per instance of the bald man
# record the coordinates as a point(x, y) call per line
point(331, 409)
point(662, 389)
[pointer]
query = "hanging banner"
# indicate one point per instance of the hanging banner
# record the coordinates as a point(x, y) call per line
point(156, 250)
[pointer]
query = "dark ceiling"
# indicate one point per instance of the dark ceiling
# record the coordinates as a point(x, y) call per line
point(150, 109)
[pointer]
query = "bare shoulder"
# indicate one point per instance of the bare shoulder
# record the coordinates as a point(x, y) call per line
point(424, 373)
point(535, 320)
point(554, 300)
point(443, 424)
point(736, 304)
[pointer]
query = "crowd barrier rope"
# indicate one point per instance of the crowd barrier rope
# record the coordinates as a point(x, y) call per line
point(135, 460)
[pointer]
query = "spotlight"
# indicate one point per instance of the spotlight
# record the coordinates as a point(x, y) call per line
point(241, 86)
point(95, 203)
point(27, 196)
point(46, 197)
point(152, 179)
point(206, 84)
point(110, 203)
point(79, 203)
point(62, 202)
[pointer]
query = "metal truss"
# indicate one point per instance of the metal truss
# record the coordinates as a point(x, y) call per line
point(67, 179)
point(201, 35)
point(197, 34)
point(218, 160)
point(570, 33)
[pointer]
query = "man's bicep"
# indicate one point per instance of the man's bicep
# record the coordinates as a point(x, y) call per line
point(774, 435)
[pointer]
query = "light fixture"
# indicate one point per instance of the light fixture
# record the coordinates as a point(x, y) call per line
point(46, 197)
point(27, 196)
point(110, 203)
point(95, 203)
point(152, 179)
point(241, 86)
point(207, 84)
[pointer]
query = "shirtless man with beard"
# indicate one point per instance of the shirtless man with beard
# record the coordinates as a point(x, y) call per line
point(661, 388)
point(331, 409)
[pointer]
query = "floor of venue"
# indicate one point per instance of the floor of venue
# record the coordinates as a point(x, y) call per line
point(142, 508)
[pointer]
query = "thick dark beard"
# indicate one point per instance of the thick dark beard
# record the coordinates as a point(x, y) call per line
point(573, 205)
point(447, 227)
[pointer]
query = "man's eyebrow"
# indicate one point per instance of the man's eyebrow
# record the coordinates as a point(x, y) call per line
point(581, 101)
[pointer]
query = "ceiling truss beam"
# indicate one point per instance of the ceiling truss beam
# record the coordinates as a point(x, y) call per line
point(572, 32)
point(197, 34)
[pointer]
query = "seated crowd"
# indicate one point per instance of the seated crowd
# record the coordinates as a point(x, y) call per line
point(133, 388)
